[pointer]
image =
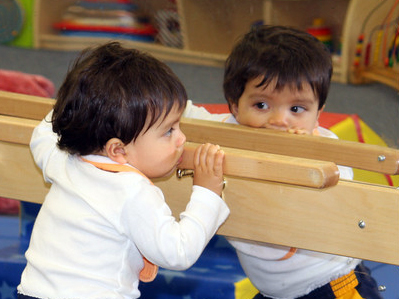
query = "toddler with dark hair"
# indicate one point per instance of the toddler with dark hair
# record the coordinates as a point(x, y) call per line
point(278, 78)
point(104, 225)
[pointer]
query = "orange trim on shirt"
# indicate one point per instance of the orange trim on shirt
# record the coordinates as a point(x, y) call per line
point(289, 254)
point(115, 167)
point(225, 119)
point(149, 271)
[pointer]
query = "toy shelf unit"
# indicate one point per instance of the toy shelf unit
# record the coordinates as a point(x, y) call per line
point(301, 14)
point(348, 19)
point(207, 28)
point(376, 55)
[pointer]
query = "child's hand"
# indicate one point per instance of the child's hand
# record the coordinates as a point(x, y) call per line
point(208, 167)
point(298, 131)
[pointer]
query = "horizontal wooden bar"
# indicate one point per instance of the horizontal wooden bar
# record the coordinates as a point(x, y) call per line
point(363, 156)
point(324, 220)
point(354, 154)
point(25, 106)
point(271, 167)
point(16, 129)
point(20, 178)
point(243, 163)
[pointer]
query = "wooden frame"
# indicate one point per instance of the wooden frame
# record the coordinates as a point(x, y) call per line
point(345, 217)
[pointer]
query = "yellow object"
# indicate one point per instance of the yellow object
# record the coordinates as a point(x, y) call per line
point(318, 22)
point(377, 46)
point(244, 289)
point(354, 129)
point(344, 284)
point(324, 38)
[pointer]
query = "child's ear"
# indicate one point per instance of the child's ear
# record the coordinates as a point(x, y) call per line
point(234, 109)
point(115, 150)
point(318, 116)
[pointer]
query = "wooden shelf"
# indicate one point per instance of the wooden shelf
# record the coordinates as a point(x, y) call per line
point(383, 75)
point(210, 28)
point(57, 42)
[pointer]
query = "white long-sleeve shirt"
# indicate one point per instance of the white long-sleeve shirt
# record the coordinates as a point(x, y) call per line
point(297, 275)
point(95, 226)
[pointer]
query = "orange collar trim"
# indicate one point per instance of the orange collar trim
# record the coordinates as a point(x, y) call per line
point(115, 167)
point(289, 254)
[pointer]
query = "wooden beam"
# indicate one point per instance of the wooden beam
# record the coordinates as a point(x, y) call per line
point(271, 167)
point(353, 154)
point(16, 129)
point(20, 178)
point(241, 163)
point(348, 153)
point(26, 106)
point(325, 220)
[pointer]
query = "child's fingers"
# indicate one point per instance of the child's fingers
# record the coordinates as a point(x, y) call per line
point(211, 154)
point(298, 131)
point(196, 155)
point(201, 155)
point(208, 167)
point(203, 158)
point(218, 164)
point(208, 156)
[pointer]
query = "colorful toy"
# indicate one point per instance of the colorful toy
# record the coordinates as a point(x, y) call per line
point(110, 19)
point(381, 56)
point(322, 33)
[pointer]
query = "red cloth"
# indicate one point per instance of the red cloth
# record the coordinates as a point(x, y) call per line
point(30, 84)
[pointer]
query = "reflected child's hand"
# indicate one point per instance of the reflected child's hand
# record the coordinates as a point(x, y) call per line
point(298, 131)
point(208, 167)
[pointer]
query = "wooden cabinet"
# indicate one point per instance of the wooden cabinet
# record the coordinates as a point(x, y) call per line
point(211, 27)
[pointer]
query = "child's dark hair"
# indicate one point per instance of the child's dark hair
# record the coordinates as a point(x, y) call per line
point(110, 91)
point(287, 55)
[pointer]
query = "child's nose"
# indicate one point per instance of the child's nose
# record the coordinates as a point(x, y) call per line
point(181, 139)
point(278, 119)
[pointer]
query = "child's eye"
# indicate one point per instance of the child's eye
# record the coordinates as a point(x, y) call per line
point(169, 132)
point(297, 109)
point(261, 105)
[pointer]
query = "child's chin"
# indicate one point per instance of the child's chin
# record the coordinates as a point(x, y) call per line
point(169, 173)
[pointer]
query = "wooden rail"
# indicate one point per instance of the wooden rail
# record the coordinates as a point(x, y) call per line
point(265, 207)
